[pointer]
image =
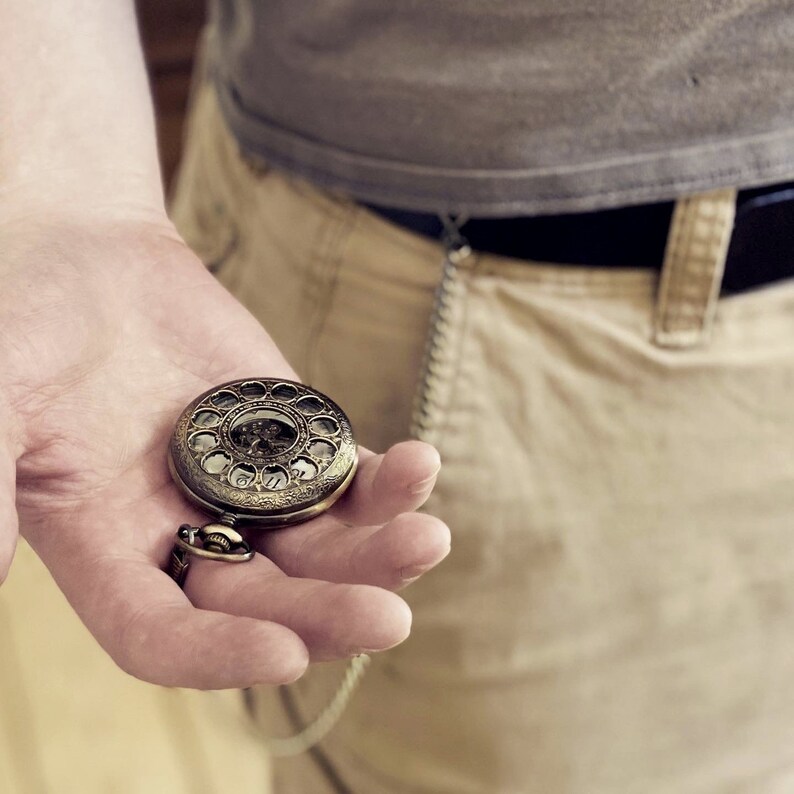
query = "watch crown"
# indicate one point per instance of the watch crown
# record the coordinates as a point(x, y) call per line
point(219, 537)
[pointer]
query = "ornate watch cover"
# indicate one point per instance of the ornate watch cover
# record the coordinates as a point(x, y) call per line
point(263, 451)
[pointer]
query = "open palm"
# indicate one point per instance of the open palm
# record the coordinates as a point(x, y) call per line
point(110, 329)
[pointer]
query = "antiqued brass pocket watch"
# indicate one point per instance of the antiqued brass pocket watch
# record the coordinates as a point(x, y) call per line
point(258, 453)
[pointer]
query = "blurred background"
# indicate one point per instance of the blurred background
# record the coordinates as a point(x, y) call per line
point(170, 32)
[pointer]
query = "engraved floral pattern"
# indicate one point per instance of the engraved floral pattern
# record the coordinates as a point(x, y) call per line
point(255, 499)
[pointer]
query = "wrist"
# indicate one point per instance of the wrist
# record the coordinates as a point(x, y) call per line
point(78, 126)
point(68, 194)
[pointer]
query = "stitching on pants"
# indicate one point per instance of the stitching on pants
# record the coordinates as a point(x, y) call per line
point(321, 283)
point(676, 233)
point(690, 280)
point(692, 277)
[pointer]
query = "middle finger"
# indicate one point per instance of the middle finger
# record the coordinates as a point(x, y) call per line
point(334, 620)
point(387, 556)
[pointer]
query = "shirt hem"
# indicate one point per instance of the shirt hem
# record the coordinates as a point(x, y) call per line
point(641, 179)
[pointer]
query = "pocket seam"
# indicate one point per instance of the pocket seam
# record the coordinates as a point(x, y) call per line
point(322, 281)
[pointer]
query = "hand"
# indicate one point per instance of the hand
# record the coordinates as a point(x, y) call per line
point(109, 328)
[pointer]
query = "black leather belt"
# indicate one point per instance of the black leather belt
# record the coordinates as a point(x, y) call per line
point(761, 249)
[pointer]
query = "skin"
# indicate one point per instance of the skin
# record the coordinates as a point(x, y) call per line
point(109, 326)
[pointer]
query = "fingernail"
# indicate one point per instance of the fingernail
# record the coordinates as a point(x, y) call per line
point(423, 485)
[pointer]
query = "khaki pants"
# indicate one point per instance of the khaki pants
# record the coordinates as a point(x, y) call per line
point(617, 613)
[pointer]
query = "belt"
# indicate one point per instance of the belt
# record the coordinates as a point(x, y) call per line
point(761, 249)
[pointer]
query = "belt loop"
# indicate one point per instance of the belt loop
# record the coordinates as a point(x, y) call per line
point(694, 261)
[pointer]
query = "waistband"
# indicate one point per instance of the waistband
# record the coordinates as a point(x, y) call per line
point(761, 248)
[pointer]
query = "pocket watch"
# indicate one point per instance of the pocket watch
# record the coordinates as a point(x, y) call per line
point(259, 453)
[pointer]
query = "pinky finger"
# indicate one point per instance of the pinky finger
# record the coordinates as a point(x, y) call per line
point(151, 630)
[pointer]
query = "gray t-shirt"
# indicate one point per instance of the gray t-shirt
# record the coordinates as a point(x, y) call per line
point(507, 107)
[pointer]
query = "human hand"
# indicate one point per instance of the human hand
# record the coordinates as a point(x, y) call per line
point(109, 328)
